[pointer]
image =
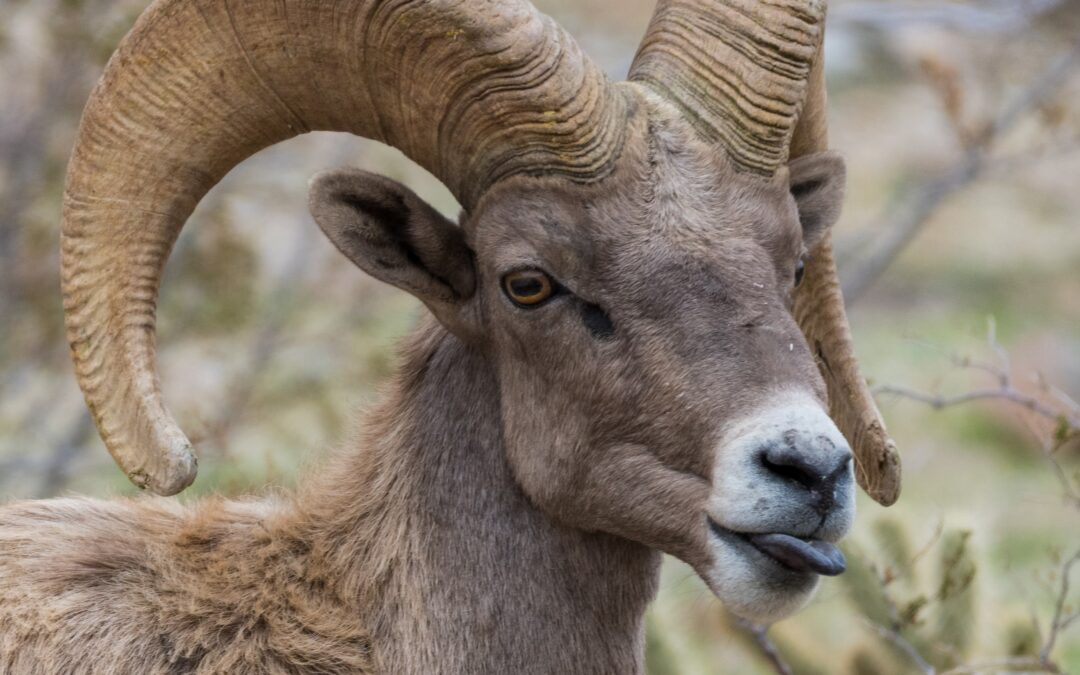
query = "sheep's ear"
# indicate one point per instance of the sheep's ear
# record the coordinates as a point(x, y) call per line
point(817, 184)
point(393, 235)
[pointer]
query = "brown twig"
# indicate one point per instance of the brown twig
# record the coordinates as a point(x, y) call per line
point(1043, 662)
point(1000, 17)
point(903, 645)
point(939, 402)
point(1064, 409)
point(935, 537)
point(907, 217)
point(1055, 406)
point(1061, 621)
point(1017, 666)
point(760, 634)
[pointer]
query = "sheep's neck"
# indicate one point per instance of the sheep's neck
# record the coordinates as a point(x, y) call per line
point(456, 570)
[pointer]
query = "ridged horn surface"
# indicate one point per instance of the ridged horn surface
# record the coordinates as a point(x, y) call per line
point(737, 69)
point(749, 77)
point(474, 91)
point(819, 309)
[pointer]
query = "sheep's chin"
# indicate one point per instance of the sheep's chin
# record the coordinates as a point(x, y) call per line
point(752, 585)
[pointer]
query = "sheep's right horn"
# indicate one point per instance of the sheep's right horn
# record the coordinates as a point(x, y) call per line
point(748, 76)
point(472, 91)
point(819, 309)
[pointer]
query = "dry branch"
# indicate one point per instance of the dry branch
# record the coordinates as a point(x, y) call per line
point(1061, 620)
point(1007, 393)
point(901, 643)
point(760, 635)
point(1053, 406)
point(1058, 412)
point(904, 219)
point(1002, 16)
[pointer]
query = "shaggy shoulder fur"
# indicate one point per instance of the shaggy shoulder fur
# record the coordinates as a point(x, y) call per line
point(87, 568)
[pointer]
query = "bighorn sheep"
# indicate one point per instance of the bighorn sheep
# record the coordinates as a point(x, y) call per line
point(612, 366)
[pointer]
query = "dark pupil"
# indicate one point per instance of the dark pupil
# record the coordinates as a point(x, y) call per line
point(527, 288)
point(800, 267)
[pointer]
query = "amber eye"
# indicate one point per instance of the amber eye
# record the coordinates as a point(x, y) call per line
point(528, 288)
point(800, 269)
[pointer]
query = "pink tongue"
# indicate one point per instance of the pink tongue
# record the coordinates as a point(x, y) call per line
point(801, 555)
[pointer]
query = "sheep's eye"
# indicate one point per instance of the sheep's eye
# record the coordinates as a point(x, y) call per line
point(800, 269)
point(528, 288)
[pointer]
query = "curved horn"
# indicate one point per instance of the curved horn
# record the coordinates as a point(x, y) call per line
point(472, 91)
point(748, 75)
point(736, 68)
point(819, 309)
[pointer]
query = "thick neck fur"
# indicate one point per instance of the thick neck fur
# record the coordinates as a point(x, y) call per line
point(453, 569)
point(413, 553)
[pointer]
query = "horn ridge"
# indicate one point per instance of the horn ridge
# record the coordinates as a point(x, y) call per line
point(819, 309)
point(748, 76)
point(198, 86)
point(737, 69)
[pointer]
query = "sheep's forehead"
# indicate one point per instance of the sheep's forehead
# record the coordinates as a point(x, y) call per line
point(666, 202)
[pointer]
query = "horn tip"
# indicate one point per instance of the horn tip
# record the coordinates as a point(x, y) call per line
point(883, 479)
point(181, 466)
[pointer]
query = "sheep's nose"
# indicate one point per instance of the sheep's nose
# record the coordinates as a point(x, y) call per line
point(820, 466)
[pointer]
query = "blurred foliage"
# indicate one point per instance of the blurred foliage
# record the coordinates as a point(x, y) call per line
point(270, 340)
point(916, 610)
point(936, 617)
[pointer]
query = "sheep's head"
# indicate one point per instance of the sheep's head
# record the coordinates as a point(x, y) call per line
point(654, 383)
point(628, 257)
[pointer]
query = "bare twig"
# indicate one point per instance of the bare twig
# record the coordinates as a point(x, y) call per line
point(903, 224)
point(760, 634)
point(903, 645)
point(1043, 662)
point(1039, 92)
point(1062, 398)
point(1054, 408)
point(997, 17)
point(910, 214)
point(939, 402)
point(1016, 666)
point(1069, 492)
point(939, 530)
point(1061, 621)
point(1065, 409)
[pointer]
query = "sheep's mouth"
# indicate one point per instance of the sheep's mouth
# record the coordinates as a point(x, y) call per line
point(799, 554)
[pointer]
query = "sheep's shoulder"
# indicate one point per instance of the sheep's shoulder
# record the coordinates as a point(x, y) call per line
point(150, 586)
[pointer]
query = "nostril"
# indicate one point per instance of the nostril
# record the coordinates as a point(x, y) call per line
point(791, 465)
point(815, 471)
point(841, 468)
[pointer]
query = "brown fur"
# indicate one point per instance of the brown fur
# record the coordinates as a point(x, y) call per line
point(386, 547)
point(505, 508)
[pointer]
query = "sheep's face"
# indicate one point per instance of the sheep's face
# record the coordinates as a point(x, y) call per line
point(653, 382)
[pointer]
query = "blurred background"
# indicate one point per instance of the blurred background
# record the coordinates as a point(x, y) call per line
point(959, 252)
